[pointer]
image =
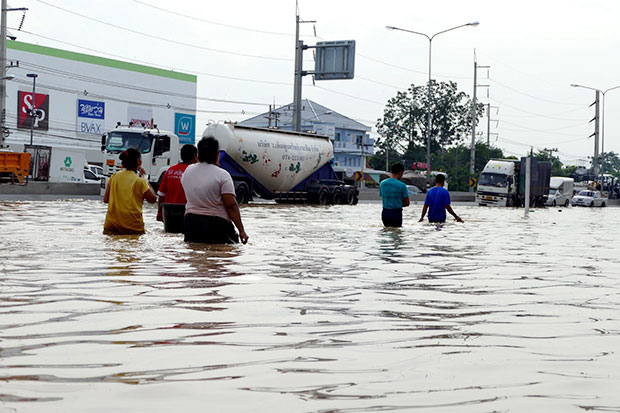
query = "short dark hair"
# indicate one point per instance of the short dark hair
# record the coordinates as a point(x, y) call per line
point(397, 168)
point(188, 152)
point(439, 178)
point(208, 150)
point(129, 158)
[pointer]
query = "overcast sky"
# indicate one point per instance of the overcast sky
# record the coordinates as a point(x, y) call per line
point(242, 51)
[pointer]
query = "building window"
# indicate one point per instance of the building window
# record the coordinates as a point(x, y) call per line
point(337, 136)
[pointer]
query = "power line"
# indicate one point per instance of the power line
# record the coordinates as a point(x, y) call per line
point(164, 39)
point(153, 64)
point(546, 130)
point(551, 116)
point(84, 78)
point(532, 96)
point(210, 21)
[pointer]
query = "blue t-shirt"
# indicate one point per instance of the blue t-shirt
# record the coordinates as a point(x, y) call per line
point(393, 191)
point(437, 199)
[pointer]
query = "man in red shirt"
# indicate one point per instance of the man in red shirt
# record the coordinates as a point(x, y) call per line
point(170, 190)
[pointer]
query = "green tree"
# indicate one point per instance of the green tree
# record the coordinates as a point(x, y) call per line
point(403, 125)
point(557, 168)
point(609, 163)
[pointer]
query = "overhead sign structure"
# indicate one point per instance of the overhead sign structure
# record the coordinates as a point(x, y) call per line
point(334, 60)
point(185, 127)
point(25, 107)
point(90, 116)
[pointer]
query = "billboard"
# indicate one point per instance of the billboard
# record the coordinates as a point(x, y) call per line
point(185, 127)
point(25, 106)
point(90, 116)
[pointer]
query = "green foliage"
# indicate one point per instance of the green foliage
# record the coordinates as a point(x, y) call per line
point(609, 163)
point(404, 123)
point(402, 131)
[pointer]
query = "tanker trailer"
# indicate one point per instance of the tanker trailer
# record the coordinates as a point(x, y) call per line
point(289, 167)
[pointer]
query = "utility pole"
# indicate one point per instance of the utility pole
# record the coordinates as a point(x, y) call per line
point(474, 120)
point(595, 165)
point(299, 62)
point(3, 67)
point(3, 25)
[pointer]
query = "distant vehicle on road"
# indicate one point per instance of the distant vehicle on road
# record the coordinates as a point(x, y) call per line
point(589, 198)
point(413, 190)
point(95, 169)
point(91, 178)
point(560, 191)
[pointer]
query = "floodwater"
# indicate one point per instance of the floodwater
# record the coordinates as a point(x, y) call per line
point(322, 311)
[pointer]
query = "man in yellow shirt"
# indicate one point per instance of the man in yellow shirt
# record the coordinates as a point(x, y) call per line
point(125, 194)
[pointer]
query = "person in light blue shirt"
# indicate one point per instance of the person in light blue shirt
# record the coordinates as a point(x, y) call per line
point(395, 196)
point(437, 202)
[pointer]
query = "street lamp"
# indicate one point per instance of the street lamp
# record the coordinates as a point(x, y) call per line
point(602, 92)
point(33, 111)
point(428, 103)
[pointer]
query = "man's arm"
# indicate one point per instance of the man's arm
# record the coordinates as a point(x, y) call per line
point(230, 203)
point(424, 209)
point(405, 202)
point(106, 196)
point(456, 217)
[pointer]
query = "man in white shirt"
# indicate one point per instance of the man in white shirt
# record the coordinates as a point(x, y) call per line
point(211, 207)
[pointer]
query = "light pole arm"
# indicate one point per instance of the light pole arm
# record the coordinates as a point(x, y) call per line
point(449, 30)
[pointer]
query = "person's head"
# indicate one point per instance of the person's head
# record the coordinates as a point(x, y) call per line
point(397, 170)
point(131, 159)
point(208, 150)
point(440, 179)
point(189, 153)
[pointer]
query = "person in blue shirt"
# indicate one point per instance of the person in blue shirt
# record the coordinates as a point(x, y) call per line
point(437, 202)
point(395, 196)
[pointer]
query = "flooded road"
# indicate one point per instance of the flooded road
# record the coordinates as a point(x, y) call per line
point(323, 310)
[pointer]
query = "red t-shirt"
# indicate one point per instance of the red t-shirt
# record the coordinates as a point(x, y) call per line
point(171, 189)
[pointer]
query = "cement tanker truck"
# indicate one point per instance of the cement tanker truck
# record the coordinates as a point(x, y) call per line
point(289, 167)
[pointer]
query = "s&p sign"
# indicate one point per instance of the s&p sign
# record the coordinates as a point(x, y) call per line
point(185, 127)
point(90, 116)
point(25, 106)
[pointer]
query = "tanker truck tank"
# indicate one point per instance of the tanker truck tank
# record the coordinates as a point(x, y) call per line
point(281, 165)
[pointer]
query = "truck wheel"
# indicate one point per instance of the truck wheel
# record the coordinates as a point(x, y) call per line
point(337, 196)
point(566, 204)
point(351, 197)
point(323, 196)
point(242, 192)
point(603, 205)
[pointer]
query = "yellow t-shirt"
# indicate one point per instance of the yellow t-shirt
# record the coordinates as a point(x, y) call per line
point(124, 215)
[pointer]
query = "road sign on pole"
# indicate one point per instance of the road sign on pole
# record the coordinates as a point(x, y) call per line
point(334, 60)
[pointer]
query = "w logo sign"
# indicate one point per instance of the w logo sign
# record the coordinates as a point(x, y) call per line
point(184, 127)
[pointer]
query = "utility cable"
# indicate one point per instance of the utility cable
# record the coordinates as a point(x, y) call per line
point(163, 39)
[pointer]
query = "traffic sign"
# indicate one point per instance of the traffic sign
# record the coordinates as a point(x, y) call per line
point(472, 181)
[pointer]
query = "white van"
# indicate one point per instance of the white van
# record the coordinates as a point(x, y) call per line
point(560, 191)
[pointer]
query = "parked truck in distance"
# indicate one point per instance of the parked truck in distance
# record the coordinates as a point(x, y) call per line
point(289, 167)
point(159, 149)
point(502, 183)
point(560, 191)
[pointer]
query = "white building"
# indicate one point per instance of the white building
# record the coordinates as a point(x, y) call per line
point(79, 96)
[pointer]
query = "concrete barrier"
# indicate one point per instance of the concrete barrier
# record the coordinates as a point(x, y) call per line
point(51, 188)
point(372, 194)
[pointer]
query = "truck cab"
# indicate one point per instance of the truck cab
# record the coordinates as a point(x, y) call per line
point(496, 183)
point(159, 149)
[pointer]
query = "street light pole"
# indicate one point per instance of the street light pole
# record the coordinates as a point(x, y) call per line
point(602, 92)
point(33, 110)
point(429, 88)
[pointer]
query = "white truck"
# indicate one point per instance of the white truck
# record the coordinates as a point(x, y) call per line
point(560, 191)
point(159, 148)
point(502, 183)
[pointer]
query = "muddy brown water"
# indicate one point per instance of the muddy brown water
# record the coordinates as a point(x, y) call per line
point(323, 311)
